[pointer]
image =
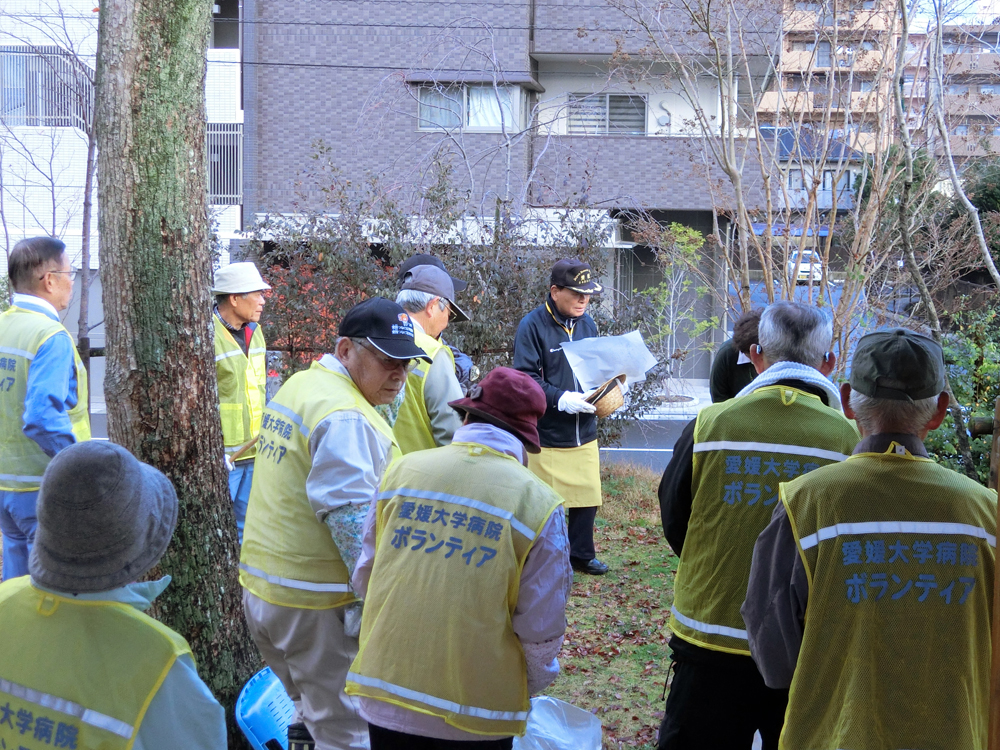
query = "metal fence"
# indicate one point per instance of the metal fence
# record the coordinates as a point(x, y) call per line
point(45, 87)
point(225, 163)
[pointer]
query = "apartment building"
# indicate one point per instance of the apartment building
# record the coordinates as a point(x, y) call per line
point(540, 104)
point(47, 62)
point(971, 93)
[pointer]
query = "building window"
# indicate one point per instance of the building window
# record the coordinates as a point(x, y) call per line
point(843, 184)
point(45, 87)
point(795, 179)
point(225, 163)
point(606, 114)
point(961, 130)
point(474, 107)
point(225, 24)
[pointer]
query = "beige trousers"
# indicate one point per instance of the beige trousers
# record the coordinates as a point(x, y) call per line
point(308, 651)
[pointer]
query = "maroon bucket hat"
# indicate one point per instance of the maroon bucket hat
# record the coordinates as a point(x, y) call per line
point(509, 399)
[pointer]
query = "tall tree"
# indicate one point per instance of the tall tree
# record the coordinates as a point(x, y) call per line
point(156, 266)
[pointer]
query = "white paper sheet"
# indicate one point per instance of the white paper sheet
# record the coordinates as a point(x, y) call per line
point(598, 359)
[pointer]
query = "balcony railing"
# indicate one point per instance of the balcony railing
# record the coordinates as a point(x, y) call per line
point(225, 163)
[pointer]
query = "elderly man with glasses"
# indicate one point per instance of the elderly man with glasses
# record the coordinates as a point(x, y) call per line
point(320, 459)
point(43, 389)
point(425, 418)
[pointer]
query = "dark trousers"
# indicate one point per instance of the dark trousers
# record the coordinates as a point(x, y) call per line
point(580, 527)
point(387, 739)
point(717, 701)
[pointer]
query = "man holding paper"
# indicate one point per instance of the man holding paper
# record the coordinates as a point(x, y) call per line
point(569, 460)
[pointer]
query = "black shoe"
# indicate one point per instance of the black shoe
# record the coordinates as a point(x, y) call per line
point(592, 567)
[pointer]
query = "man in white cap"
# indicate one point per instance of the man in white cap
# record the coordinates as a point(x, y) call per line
point(241, 367)
point(425, 418)
point(81, 665)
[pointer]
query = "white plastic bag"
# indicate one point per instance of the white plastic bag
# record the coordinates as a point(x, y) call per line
point(556, 725)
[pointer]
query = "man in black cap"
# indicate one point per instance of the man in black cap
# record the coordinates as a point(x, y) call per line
point(893, 555)
point(322, 452)
point(569, 461)
point(425, 420)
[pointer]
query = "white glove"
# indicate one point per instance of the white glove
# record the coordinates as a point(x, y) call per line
point(572, 402)
point(230, 466)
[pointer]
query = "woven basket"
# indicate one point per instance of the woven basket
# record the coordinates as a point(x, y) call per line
point(608, 397)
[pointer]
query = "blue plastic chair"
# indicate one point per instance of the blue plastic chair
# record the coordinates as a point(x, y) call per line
point(264, 711)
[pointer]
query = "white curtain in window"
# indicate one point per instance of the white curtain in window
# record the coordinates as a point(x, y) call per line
point(490, 108)
point(440, 107)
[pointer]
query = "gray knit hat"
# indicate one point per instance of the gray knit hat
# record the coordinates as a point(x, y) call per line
point(104, 519)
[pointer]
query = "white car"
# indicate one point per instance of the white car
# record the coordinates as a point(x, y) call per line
point(811, 265)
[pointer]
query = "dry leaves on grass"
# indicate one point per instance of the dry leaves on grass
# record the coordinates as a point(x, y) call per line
point(615, 657)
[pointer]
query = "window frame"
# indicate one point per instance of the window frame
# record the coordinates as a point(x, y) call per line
point(516, 108)
point(574, 97)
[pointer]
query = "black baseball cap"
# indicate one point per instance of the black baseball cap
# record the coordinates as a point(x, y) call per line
point(913, 363)
point(423, 259)
point(436, 281)
point(385, 325)
point(576, 275)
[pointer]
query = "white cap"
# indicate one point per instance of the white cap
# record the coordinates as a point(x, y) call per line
point(238, 278)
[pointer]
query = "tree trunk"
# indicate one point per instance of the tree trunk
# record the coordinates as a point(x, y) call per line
point(156, 266)
point(83, 323)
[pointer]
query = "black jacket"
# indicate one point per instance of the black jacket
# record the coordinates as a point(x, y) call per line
point(728, 378)
point(537, 352)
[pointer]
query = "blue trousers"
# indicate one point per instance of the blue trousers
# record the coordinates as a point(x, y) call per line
point(17, 524)
point(240, 480)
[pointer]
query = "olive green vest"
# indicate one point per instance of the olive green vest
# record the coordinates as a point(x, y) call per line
point(413, 425)
point(454, 527)
point(77, 674)
point(242, 387)
point(288, 556)
point(743, 449)
point(900, 555)
point(22, 333)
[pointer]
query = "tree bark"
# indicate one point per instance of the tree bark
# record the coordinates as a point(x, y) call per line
point(156, 265)
point(83, 322)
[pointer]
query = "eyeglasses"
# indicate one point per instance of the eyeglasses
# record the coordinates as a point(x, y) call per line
point(71, 272)
point(389, 364)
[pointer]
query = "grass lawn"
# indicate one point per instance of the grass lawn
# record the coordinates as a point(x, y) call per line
point(615, 658)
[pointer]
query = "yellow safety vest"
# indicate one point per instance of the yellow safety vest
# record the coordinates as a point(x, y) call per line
point(743, 449)
point(22, 333)
point(242, 387)
point(77, 674)
point(288, 556)
point(454, 527)
point(900, 556)
point(413, 425)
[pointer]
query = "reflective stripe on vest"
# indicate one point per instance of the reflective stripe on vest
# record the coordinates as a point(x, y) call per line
point(59, 658)
point(293, 584)
point(242, 386)
point(86, 715)
point(425, 698)
point(900, 557)
point(735, 482)
point(413, 425)
point(22, 334)
point(454, 526)
point(288, 556)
